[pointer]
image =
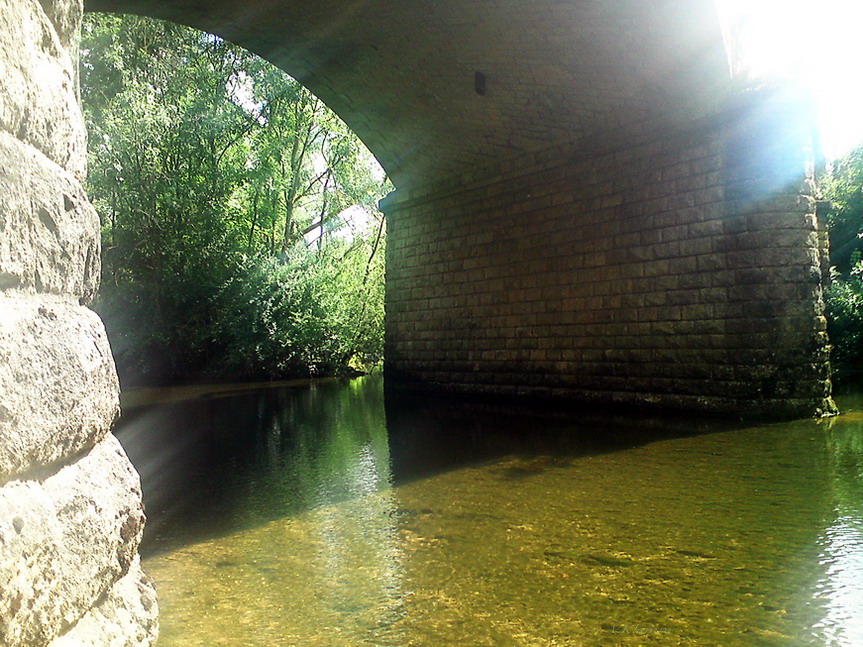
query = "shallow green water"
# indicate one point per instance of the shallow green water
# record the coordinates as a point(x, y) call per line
point(333, 516)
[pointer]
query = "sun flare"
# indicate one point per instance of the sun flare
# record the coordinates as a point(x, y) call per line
point(813, 43)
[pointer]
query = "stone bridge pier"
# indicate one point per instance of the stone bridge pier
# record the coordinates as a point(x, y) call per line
point(586, 209)
point(678, 268)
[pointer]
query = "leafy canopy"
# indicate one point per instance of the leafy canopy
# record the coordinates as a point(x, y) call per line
point(843, 185)
point(223, 186)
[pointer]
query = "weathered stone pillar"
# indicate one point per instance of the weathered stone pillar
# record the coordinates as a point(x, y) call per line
point(776, 246)
point(672, 266)
point(71, 516)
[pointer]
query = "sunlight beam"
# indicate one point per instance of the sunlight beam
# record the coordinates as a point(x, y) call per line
point(810, 43)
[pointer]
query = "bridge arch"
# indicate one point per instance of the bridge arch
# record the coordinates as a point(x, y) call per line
point(610, 218)
point(439, 88)
point(584, 210)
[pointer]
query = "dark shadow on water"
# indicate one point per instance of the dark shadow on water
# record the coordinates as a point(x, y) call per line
point(224, 462)
point(430, 434)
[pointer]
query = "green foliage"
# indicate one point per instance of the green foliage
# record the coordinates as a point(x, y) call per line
point(844, 302)
point(843, 185)
point(310, 315)
point(222, 185)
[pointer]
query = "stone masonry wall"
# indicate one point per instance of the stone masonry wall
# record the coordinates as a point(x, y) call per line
point(680, 270)
point(71, 515)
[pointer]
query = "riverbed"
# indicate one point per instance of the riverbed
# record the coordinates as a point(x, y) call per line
point(338, 514)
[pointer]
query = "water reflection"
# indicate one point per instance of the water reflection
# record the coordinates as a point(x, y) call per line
point(431, 434)
point(840, 590)
point(215, 465)
point(322, 517)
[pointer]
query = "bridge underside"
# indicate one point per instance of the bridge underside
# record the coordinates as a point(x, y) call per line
point(585, 209)
point(437, 88)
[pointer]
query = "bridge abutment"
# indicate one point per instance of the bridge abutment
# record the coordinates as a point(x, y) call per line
point(71, 516)
point(674, 267)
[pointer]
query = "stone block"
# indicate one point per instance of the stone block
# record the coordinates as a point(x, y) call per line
point(58, 385)
point(49, 232)
point(38, 84)
point(66, 17)
point(66, 540)
point(127, 617)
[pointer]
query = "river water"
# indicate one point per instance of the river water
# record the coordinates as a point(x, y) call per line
point(331, 515)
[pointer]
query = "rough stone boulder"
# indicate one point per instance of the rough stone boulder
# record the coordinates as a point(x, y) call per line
point(58, 385)
point(38, 82)
point(49, 231)
point(70, 501)
point(66, 540)
point(127, 617)
point(66, 16)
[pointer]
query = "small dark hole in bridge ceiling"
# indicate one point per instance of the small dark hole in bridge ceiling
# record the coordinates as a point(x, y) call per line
point(479, 83)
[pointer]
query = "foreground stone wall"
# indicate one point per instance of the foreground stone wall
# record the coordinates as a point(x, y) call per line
point(678, 268)
point(71, 516)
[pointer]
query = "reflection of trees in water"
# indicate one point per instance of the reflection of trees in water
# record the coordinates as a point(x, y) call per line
point(840, 590)
point(307, 449)
point(844, 439)
point(216, 465)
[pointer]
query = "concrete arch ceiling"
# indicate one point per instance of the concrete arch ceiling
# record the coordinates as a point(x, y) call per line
point(403, 73)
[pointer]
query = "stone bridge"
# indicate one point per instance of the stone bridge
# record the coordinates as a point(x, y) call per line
point(587, 207)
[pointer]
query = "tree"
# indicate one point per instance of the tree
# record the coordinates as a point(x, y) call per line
point(843, 185)
point(210, 167)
